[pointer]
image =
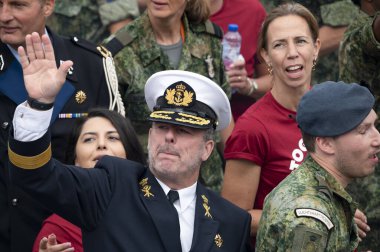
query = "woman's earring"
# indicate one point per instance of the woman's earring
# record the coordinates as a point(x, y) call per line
point(314, 64)
point(270, 69)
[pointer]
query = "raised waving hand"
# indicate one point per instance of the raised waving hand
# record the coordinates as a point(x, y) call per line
point(42, 78)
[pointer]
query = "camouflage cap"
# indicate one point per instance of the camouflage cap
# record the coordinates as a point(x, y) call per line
point(333, 108)
point(187, 99)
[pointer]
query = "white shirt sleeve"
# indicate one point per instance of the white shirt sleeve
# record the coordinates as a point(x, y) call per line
point(30, 124)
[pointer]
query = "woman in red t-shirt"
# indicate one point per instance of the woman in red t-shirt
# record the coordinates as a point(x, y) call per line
point(266, 144)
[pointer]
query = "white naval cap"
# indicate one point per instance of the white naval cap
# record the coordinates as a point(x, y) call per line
point(188, 99)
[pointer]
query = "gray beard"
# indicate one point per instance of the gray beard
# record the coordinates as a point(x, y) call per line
point(175, 177)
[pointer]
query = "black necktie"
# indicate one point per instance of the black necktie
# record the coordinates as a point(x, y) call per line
point(173, 196)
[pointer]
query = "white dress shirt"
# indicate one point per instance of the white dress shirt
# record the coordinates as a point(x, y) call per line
point(185, 207)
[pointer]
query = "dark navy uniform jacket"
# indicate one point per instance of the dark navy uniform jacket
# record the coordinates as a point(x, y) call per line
point(85, 83)
point(121, 207)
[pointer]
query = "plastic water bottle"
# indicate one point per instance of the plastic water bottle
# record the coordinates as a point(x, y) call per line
point(231, 45)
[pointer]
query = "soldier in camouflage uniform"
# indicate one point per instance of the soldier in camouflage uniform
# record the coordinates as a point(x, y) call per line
point(359, 60)
point(310, 210)
point(141, 56)
point(333, 14)
point(90, 19)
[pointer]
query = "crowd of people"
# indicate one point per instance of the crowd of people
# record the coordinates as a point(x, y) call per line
point(121, 132)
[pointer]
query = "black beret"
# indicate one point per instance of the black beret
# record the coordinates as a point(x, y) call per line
point(333, 108)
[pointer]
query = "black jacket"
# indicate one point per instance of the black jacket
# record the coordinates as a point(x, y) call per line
point(20, 215)
point(121, 207)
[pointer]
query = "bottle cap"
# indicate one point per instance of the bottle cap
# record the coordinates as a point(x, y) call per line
point(233, 27)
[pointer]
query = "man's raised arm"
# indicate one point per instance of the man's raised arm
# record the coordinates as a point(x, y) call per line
point(42, 81)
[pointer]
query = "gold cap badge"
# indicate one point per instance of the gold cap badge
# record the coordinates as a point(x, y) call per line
point(179, 94)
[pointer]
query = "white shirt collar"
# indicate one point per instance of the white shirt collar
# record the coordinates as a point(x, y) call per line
point(186, 195)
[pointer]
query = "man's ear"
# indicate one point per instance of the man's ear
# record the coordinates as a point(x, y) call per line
point(150, 130)
point(209, 146)
point(48, 7)
point(325, 144)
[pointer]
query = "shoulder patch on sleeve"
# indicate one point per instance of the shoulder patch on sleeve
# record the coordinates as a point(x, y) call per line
point(309, 240)
point(118, 41)
point(312, 213)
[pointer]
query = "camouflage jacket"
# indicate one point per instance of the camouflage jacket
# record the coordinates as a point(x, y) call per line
point(335, 14)
point(141, 57)
point(327, 12)
point(308, 211)
point(359, 54)
point(89, 19)
point(359, 59)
